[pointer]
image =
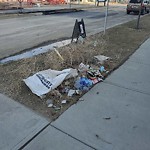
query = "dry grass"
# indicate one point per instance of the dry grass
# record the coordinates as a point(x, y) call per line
point(119, 43)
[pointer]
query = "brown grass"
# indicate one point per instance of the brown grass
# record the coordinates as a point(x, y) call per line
point(119, 43)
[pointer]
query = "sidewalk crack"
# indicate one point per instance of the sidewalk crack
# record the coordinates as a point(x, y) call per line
point(131, 89)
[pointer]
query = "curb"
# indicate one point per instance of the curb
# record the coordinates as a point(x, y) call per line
point(47, 12)
point(44, 12)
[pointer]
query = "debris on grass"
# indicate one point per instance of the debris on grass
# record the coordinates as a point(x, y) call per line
point(71, 92)
point(101, 58)
point(83, 84)
point(58, 54)
point(50, 105)
point(64, 101)
point(83, 67)
point(47, 80)
point(118, 49)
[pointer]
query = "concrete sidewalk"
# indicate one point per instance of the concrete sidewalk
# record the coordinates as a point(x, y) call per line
point(114, 115)
point(17, 124)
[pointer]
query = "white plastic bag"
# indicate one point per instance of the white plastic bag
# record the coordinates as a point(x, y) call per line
point(47, 80)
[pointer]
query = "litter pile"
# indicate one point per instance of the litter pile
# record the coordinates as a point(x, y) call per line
point(58, 87)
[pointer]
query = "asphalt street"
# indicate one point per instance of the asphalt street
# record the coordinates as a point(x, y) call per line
point(23, 33)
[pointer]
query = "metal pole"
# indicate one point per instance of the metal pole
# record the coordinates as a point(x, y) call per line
point(106, 15)
point(21, 7)
point(70, 4)
point(78, 2)
point(138, 20)
point(95, 2)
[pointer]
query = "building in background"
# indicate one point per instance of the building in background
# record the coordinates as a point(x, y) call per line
point(31, 3)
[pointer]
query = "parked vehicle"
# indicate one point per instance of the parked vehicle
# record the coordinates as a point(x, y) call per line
point(134, 6)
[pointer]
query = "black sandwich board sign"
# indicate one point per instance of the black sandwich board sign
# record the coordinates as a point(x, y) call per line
point(79, 30)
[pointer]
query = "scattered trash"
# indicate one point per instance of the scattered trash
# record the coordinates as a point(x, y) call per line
point(81, 39)
point(83, 83)
point(81, 99)
point(83, 67)
point(95, 81)
point(72, 73)
point(102, 69)
point(67, 83)
point(56, 93)
point(50, 105)
point(71, 92)
point(101, 58)
point(42, 96)
point(49, 101)
point(94, 74)
point(78, 92)
point(65, 90)
point(58, 54)
point(54, 106)
point(95, 43)
point(64, 101)
point(47, 80)
point(57, 108)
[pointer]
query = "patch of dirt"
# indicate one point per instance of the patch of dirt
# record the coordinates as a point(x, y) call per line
point(118, 43)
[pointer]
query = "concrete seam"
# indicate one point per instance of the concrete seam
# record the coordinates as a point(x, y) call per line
point(134, 90)
point(138, 62)
point(73, 137)
point(23, 146)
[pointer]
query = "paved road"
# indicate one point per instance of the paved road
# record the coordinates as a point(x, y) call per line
point(20, 33)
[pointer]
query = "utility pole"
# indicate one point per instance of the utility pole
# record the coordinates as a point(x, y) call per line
point(106, 16)
point(140, 10)
point(95, 2)
point(78, 2)
point(69, 3)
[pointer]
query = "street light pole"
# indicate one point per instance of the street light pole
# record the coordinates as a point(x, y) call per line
point(140, 10)
point(95, 2)
point(106, 16)
point(69, 3)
